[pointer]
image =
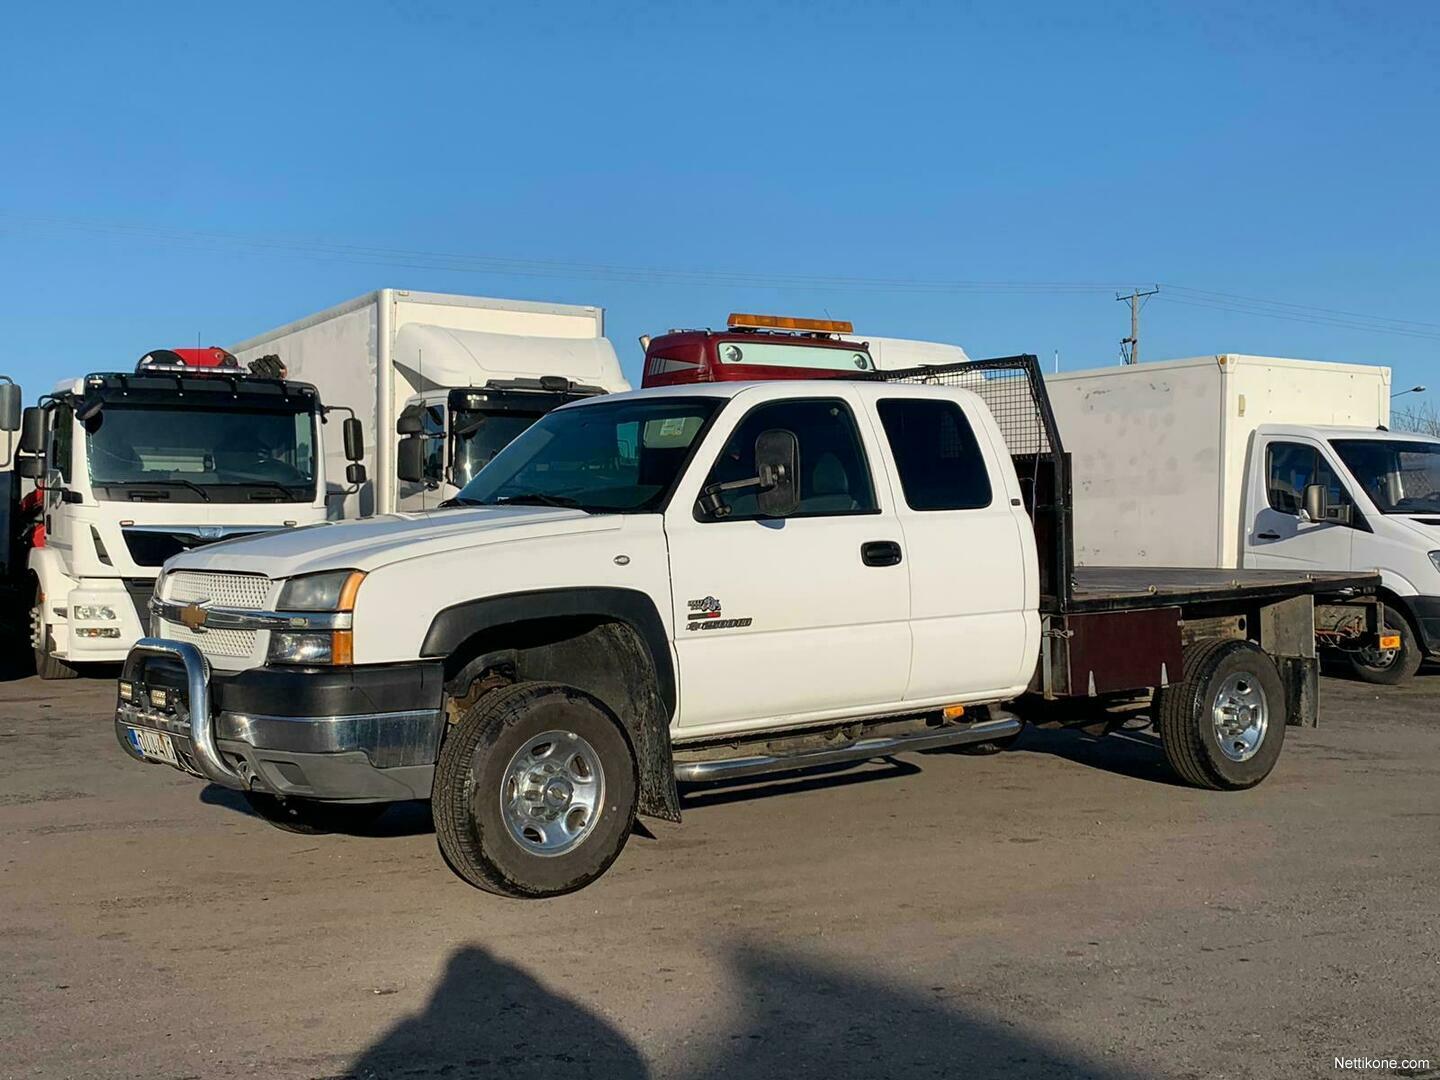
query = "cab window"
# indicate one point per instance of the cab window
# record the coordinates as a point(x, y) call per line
point(433, 432)
point(1290, 468)
point(62, 440)
point(834, 475)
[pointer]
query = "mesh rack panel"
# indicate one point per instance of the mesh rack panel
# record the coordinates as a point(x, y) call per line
point(1013, 389)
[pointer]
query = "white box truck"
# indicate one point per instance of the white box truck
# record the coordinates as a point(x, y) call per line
point(1253, 462)
point(459, 376)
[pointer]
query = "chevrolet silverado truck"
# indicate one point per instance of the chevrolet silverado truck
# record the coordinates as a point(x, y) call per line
point(696, 584)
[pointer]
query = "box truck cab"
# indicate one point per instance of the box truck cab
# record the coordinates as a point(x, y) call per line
point(443, 380)
point(134, 467)
point(1250, 461)
point(1346, 498)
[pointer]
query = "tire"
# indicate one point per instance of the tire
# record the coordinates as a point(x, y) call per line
point(500, 823)
point(1223, 679)
point(313, 817)
point(47, 665)
point(1398, 665)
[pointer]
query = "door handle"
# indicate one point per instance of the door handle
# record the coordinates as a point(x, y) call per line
point(1267, 536)
point(880, 553)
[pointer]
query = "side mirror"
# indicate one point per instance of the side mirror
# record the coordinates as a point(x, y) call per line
point(354, 434)
point(1318, 508)
point(777, 463)
point(30, 467)
point(410, 421)
point(410, 460)
point(9, 407)
point(88, 409)
point(354, 474)
point(32, 431)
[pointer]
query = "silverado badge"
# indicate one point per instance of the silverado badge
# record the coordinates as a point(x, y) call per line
point(194, 616)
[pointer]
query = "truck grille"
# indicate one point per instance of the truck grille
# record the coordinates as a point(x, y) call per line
point(235, 644)
point(246, 591)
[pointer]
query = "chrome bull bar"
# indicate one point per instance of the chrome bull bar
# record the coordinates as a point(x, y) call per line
point(204, 751)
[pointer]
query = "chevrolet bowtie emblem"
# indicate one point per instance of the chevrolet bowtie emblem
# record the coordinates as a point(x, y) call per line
point(194, 616)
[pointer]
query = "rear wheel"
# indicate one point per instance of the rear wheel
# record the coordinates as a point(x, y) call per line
point(1224, 725)
point(47, 665)
point(1387, 667)
point(312, 817)
point(534, 791)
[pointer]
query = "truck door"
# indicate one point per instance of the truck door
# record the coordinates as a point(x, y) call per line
point(972, 624)
point(1276, 536)
point(784, 618)
point(59, 457)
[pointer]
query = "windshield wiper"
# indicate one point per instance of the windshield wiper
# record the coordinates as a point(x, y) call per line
point(458, 501)
point(536, 499)
point(204, 495)
point(290, 496)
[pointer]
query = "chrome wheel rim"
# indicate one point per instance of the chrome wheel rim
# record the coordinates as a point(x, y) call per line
point(1241, 716)
point(1380, 659)
point(552, 793)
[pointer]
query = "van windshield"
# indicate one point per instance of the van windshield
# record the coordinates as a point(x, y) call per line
point(612, 457)
point(1401, 477)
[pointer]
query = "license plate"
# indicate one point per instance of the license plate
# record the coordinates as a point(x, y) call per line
point(155, 745)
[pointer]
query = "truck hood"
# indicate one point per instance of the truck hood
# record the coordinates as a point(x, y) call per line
point(388, 538)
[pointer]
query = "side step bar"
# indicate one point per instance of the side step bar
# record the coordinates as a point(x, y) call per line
point(860, 750)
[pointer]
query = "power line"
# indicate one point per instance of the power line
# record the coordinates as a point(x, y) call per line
point(1130, 346)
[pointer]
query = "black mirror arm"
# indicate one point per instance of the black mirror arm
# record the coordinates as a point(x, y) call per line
point(712, 499)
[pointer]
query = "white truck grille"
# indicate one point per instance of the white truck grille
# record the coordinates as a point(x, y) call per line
point(246, 591)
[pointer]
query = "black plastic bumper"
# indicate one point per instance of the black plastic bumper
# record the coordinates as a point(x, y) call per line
point(344, 734)
point(1426, 612)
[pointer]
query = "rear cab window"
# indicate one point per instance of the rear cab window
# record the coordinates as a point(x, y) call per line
point(936, 453)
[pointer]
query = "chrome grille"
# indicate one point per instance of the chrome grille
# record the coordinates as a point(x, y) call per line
point(237, 644)
point(244, 591)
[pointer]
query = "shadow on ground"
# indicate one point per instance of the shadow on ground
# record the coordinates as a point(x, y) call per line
point(792, 1016)
point(399, 819)
point(1136, 754)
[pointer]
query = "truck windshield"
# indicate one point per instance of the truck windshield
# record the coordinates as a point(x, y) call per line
point(479, 436)
point(209, 454)
point(1401, 477)
point(615, 457)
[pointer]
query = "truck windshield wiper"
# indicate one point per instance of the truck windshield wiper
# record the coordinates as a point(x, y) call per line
point(290, 495)
point(458, 501)
point(204, 495)
point(536, 499)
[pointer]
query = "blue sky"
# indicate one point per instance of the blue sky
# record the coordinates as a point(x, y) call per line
point(211, 169)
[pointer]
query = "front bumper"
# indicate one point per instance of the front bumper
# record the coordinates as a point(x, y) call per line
point(358, 734)
point(1426, 610)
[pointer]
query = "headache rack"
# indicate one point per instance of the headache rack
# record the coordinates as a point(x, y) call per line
point(1013, 389)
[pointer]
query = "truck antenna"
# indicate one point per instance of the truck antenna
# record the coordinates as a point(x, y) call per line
point(1130, 346)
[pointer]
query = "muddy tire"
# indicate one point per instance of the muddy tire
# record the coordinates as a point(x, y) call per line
point(1223, 726)
point(47, 665)
point(534, 791)
point(1394, 665)
point(312, 817)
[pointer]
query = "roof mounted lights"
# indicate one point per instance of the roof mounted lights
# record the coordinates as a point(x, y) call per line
point(188, 360)
point(740, 321)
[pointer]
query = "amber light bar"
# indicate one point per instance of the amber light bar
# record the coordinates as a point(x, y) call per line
point(784, 322)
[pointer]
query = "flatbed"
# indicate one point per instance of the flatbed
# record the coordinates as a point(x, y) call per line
point(1110, 588)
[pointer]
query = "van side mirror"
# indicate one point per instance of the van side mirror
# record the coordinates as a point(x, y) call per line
point(777, 464)
point(410, 460)
point(10, 410)
point(410, 421)
point(1318, 508)
point(354, 434)
point(32, 431)
point(354, 474)
point(30, 466)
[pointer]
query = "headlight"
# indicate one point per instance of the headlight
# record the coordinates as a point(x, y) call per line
point(333, 590)
point(93, 613)
point(1435, 558)
point(325, 647)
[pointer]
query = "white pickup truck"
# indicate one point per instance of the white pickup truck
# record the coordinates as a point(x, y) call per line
point(698, 583)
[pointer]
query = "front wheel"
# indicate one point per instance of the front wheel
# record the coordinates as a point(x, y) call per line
point(534, 791)
point(1388, 667)
point(1223, 726)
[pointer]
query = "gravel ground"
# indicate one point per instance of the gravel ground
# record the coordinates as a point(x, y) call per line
point(1062, 909)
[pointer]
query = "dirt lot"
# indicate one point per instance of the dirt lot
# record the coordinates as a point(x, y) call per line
point(1057, 910)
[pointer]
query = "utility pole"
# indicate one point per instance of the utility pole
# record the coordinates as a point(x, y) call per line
point(1130, 346)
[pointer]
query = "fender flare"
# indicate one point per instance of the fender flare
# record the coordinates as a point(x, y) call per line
point(453, 625)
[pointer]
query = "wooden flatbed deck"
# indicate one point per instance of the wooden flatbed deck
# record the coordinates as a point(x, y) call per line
point(1128, 588)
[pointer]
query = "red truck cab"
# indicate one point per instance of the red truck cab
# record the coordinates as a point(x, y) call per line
point(755, 347)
